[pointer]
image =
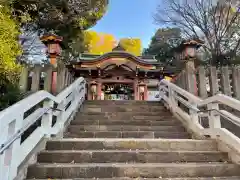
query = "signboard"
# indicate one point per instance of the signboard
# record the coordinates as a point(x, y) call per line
point(153, 96)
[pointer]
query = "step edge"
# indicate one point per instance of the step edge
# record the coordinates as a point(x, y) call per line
point(131, 139)
point(137, 165)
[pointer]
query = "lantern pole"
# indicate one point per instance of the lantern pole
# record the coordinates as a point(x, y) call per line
point(190, 49)
point(53, 44)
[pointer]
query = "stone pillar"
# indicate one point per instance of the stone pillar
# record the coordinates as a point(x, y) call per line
point(66, 79)
point(48, 79)
point(213, 81)
point(23, 83)
point(236, 83)
point(225, 81)
point(191, 77)
point(36, 78)
point(202, 82)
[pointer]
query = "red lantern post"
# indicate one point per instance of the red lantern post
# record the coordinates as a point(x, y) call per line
point(52, 42)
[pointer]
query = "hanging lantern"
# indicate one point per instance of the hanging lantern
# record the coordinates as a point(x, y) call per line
point(141, 87)
point(93, 87)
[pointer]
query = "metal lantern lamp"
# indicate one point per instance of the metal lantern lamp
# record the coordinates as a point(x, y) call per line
point(191, 47)
point(53, 44)
point(94, 87)
point(141, 90)
point(141, 87)
point(191, 51)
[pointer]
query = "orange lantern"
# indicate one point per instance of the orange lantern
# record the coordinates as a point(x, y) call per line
point(53, 44)
point(141, 87)
point(93, 87)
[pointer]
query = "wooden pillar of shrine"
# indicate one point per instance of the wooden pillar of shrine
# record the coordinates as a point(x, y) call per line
point(145, 93)
point(89, 93)
point(99, 90)
point(135, 88)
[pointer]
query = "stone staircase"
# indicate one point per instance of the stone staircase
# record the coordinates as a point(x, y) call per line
point(127, 140)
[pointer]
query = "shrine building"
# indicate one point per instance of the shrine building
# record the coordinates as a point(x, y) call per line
point(119, 75)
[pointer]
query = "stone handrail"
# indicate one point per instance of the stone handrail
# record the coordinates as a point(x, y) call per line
point(172, 95)
point(40, 108)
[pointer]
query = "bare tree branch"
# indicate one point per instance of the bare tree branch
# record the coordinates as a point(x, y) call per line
point(213, 21)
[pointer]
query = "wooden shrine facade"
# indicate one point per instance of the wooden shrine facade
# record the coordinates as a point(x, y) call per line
point(119, 73)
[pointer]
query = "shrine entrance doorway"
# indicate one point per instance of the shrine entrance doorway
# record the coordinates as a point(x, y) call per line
point(117, 91)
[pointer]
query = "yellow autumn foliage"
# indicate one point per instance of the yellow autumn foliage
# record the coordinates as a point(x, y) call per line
point(98, 43)
point(133, 46)
point(9, 47)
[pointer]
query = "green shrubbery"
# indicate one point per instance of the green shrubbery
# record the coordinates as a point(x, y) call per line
point(10, 94)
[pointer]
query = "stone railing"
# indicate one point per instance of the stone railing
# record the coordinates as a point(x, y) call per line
point(45, 77)
point(195, 112)
point(209, 81)
point(26, 123)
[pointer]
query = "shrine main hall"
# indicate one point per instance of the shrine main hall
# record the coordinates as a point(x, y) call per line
point(119, 75)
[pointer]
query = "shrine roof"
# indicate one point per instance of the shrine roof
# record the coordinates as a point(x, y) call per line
point(150, 60)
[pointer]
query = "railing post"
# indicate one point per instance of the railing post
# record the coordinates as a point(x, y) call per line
point(214, 118)
point(194, 114)
point(172, 101)
point(59, 124)
point(13, 155)
point(47, 118)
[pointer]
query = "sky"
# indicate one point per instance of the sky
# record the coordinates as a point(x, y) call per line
point(129, 19)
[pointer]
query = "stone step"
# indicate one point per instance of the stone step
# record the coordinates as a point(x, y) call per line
point(139, 156)
point(133, 144)
point(112, 102)
point(148, 170)
point(139, 178)
point(128, 134)
point(112, 117)
point(80, 128)
point(126, 122)
point(122, 108)
point(127, 114)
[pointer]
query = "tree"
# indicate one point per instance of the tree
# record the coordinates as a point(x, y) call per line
point(66, 18)
point(213, 21)
point(131, 45)
point(9, 49)
point(98, 43)
point(163, 42)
